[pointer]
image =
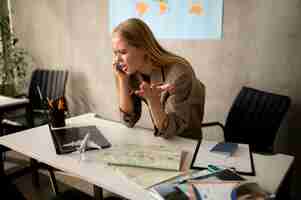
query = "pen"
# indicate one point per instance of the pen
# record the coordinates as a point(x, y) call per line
point(72, 144)
point(50, 104)
point(139, 166)
point(61, 104)
point(196, 176)
point(40, 93)
point(84, 143)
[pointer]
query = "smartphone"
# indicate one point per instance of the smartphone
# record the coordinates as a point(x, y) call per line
point(119, 67)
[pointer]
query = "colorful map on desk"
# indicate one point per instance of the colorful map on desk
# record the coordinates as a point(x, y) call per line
point(154, 156)
point(184, 19)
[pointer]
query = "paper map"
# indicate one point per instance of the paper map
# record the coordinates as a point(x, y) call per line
point(185, 19)
point(153, 156)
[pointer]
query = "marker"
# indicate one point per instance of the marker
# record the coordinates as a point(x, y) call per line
point(213, 168)
point(140, 166)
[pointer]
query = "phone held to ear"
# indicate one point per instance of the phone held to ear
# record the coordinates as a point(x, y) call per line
point(119, 67)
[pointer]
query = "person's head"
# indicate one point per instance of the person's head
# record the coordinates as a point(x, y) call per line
point(136, 47)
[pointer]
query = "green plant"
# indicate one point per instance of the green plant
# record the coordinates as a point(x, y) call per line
point(14, 61)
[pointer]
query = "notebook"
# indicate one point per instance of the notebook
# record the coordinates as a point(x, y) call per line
point(67, 140)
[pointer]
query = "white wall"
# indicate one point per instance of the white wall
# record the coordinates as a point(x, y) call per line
point(261, 48)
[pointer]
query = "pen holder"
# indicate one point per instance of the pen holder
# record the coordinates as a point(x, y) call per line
point(57, 118)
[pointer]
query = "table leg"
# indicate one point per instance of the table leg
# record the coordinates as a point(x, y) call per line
point(1, 163)
point(1, 126)
point(1, 148)
point(35, 174)
point(54, 185)
point(98, 193)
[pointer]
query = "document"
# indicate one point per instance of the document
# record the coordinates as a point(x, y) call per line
point(241, 160)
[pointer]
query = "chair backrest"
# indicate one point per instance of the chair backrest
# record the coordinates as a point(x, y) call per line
point(255, 118)
point(51, 83)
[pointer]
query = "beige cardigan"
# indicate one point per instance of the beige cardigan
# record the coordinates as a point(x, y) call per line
point(184, 106)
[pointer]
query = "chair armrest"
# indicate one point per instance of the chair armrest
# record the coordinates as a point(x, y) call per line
point(21, 96)
point(208, 124)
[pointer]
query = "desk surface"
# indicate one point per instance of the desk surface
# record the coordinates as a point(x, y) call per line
point(37, 143)
point(7, 103)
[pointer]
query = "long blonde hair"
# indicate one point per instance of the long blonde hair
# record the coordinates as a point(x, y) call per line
point(138, 34)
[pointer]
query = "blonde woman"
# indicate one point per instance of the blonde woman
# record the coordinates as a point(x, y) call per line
point(166, 82)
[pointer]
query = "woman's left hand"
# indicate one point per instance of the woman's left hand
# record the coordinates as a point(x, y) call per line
point(152, 91)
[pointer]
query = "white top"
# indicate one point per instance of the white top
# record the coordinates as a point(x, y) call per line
point(37, 143)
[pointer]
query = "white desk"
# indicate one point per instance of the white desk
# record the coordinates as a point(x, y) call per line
point(37, 143)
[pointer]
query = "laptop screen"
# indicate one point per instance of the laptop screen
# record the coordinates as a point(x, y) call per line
point(68, 140)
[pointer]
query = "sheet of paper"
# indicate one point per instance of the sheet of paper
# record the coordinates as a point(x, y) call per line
point(240, 160)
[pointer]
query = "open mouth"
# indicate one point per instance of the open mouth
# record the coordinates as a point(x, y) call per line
point(125, 68)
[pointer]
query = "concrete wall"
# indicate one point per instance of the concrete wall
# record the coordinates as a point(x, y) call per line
point(261, 48)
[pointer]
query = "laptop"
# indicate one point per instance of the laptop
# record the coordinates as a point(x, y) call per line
point(67, 140)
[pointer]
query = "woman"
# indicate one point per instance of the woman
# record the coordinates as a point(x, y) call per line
point(145, 71)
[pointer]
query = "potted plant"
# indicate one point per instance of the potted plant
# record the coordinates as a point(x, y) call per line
point(14, 62)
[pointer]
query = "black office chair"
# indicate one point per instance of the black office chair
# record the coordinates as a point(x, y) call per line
point(254, 119)
point(44, 84)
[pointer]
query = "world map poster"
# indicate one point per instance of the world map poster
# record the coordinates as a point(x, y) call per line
point(172, 19)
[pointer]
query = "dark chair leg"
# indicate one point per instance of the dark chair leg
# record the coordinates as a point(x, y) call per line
point(2, 173)
point(98, 193)
point(29, 116)
point(1, 151)
point(35, 174)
